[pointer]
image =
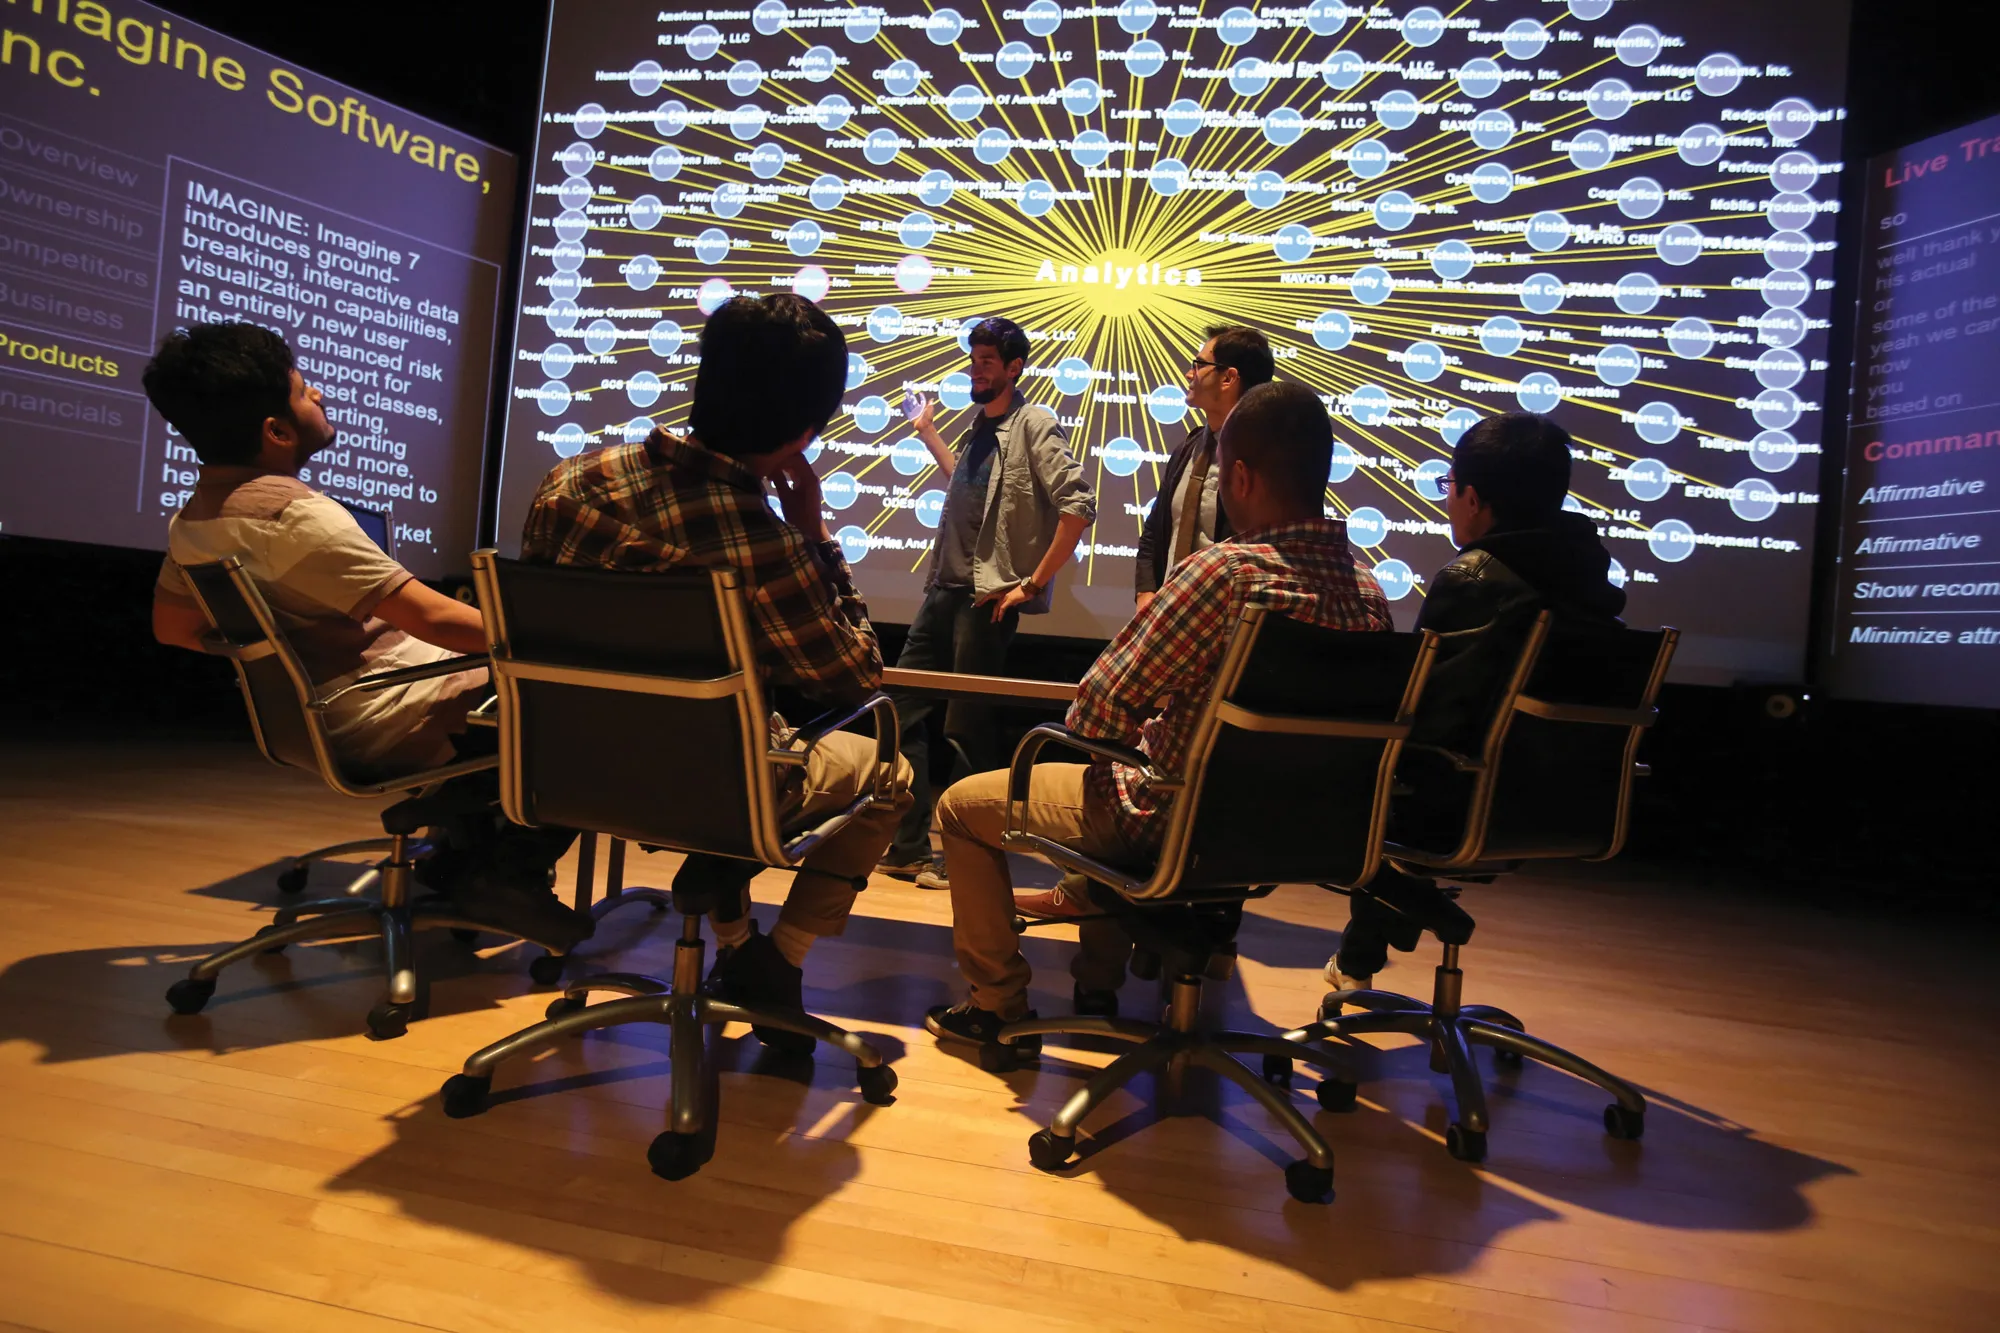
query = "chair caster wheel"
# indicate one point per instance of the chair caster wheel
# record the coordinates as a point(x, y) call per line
point(1050, 1152)
point(1467, 1145)
point(1329, 1009)
point(1620, 1123)
point(293, 880)
point(1506, 1059)
point(1278, 1071)
point(564, 1005)
point(464, 1095)
point(1335, 1095)
point(388, 1021)
point(1308, 1183)
point(1020, 925)
point(547, 970)
point(678, 1156)
point(997, 1057)
point(878, 1085)
point(464, 936)
point(189, 994)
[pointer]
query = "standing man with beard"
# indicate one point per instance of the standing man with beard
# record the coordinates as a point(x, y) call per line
point(1016, 504)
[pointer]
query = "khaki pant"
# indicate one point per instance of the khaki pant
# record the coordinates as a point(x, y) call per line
point(837, 771)
point(973, 815)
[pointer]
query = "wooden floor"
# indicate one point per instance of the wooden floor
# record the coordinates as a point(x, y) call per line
point(1820, 1156)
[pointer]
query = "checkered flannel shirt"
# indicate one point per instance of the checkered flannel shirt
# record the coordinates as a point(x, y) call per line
point(1148, 687)
point(668, 502)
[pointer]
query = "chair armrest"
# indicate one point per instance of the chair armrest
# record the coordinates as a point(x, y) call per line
point(1022, 769)
point(888, 738)
point(1463, 763)
point(486, 715)
point(215, 645)
point(383, 680)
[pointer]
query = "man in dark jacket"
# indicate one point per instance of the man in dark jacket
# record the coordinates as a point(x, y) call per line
point(1519, 553)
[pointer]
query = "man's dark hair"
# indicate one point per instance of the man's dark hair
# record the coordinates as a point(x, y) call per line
point(217, 384)
point(772, 368)
point(1245, 351)
point(1282, 432)
point(1519, 464)
point(1003, 336)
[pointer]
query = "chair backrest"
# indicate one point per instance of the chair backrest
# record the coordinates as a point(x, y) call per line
point(1289, 772)
point(376, 524)
point(630, 705)
point(276, 688)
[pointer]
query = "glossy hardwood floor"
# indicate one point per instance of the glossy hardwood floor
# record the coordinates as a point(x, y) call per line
point(1820, 1155)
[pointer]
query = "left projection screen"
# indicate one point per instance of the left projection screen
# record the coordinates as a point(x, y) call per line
point(156, 174)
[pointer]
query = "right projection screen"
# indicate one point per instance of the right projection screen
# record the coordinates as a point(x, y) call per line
point(1619, 212)
point(1916, 612)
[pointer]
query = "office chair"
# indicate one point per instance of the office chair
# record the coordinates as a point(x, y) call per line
point(288, 717)
point(1287, 781)
point(1552, 781)
point(630, 705)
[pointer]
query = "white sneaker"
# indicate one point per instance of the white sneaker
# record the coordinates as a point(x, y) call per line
point(933, 877)
point(1339, 980)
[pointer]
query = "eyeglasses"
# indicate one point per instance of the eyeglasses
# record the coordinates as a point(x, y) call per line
point(1448, 480)
point(1196, 363)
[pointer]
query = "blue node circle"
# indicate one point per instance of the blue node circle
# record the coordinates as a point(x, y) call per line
point(643, 389)
point(1548, 231)
point(1395, 211)
point(1181, 117)
point(1237, 26)
point(1701, 145)
point(1493, 129)
point(871, 414)
point(1658, 423)
point(1284, 126)
point(935, 189)
point(1543, 294)
point(565, 286)
point(1341, 466)
point(647, 76)
point(1789, 250)
point(729, 199)
point(1641, 197)
point(746, 122)
point(645, 212)
point(1491, 183)
point(853, 543)
point(636, 430)
point(745, 76)
point(670, 117)
point(1137, 16)
point(1429, 479)
point(1648, 479)
point(577, 159)
point(1037, 198)
point(568, 440)
point(1332, 330)
point(1753, 500)
point(1617, 575)
point(1786, 291)
point(965, 102)
point(1589, 9)
point(1671, 541)
point(1609, 99)
point(1343, 70)
point(902, 77)
point(1776, 409)
point(1679, 245)
point(1370, 404)
point(1524, 39)
point(1795, 173)
point(1167, 404)
point(1249, 76)
point(1072, 376)
point(1398, 110)
point(574, 192)
point(1423, 362)
point(1366, 526)
point(1718, 75)
point(804, 237)
point(1453, 425)
point(553, 398)
point(1791, 120)
point(929, 508)
point(1145, 59)
point(1081, 97)
point(944, 27)
point(1502, 335)
point(885, 324)
point(1014, 60)
point(1539, 392)
point(1691, 339)
point(1395, 578)
point(1791, 212)
point(838, 490)
point(1452, 260)
point(641, 273)
point(600, 337)
point(909, 457)
point(665, 163)
point(567, 256)
point(1639, 45)
point(991, 146)
point(819, 63)
point(1618, 365)
point(1780, 368)
point(562, 317)
point(1591, 150)
point(1326, 17)
point(1479, 78)
point(712, 245)
point(858, 370)
point(827, 192)
point(1774, 451)
point(572, 226)
point(558, 359)
point(862, 27)
point(965, 328)
point(955, 391)
point(1265, 189)
point(664, 339)
point(1292, 243)
point(769, 17)
point(703, 41)
point(1367, 159)
point(1090, 149)
point(881, 147)
point(1372, 285)
point(1042, 18)
point(917, 230)
point(1638, 293)
point(1121, 457)
point(811, 282)
point(1423, 27)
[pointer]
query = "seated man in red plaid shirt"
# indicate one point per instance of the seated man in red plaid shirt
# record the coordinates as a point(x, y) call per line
point(772, 373)
point(1147, 690)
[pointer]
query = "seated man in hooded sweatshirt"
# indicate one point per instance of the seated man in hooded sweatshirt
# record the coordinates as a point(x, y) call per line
point(1520, 553)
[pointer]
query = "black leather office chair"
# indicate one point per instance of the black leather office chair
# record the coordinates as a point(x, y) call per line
point(1552, 781)
point(288, 716)
point(630, 705)
point(1287, 781)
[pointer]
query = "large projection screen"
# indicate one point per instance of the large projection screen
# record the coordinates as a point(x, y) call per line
point(1618, 213)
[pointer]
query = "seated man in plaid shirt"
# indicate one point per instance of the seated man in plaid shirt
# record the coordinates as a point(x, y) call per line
point(1147, 690)
point(772, 373)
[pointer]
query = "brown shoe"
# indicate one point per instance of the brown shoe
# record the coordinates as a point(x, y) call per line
point(1062, 903)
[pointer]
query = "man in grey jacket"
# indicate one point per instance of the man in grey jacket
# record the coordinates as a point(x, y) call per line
point(1016, 504)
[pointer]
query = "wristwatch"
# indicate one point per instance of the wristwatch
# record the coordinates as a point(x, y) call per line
point(1032, 588)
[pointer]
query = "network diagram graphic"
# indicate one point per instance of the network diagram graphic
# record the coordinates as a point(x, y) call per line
point(1618, 213)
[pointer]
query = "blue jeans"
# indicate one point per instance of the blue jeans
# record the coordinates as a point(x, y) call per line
point(949, 634)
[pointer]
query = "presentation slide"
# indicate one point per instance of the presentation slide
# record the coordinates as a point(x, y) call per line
point(155, 174)
point(1619, 212)
point(1916, 614)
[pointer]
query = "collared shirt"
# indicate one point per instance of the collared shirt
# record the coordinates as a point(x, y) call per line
point(669, 502)
point(1147, 689)
point(965, 505)
point(1211, 497)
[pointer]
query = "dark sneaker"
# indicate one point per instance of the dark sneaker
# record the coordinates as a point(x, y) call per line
point(517, 905)
point(755, 975)
point(966, 1021)
point(933, 877)
point(901, 866)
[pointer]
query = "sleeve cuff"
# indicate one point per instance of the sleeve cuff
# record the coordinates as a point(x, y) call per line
point(383, 591)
